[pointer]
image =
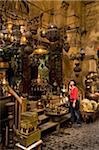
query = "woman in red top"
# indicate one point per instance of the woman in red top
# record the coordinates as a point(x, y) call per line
point(74, 103)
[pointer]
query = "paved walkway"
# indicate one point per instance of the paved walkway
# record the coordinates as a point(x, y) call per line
point(83, 138)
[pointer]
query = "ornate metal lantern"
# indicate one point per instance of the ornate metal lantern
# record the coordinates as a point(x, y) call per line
point(77, 69)
point(53, 33)
point(28, 50)
point(40, 49)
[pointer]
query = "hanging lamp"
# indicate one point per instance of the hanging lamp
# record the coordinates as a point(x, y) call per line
point(53, 33)
point(40, 50)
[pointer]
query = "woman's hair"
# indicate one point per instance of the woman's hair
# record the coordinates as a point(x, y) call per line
point(70, 82)
point(73, 81)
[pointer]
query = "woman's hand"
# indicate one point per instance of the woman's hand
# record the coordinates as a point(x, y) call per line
point(74, 104)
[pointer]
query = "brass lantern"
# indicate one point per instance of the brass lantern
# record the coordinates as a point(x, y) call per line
point(40, 49)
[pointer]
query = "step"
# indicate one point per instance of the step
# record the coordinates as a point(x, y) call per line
point(43, 119)
point(47, 126)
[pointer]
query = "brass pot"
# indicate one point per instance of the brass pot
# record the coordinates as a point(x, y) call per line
point(39, 104)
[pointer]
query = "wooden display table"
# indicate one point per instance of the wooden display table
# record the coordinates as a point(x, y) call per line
point(89, 116)
point(59, 118)
point(56, 116)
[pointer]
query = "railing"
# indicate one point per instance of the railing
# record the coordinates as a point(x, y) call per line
point(18, 106)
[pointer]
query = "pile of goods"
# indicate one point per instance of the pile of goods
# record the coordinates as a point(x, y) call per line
point(89, 110)
point(56, 109)
point(29, 131)
point(89, 105)
point(65, 101)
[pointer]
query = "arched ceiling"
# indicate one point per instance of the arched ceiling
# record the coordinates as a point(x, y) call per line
point(38, 14)
point(29, 11)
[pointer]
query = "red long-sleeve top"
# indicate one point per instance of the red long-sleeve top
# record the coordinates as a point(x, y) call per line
point(74, 94)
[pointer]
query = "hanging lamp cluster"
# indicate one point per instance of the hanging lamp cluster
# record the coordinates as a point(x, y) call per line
point(23, 33)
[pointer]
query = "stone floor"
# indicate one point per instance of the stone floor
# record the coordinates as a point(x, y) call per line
point(82, 138)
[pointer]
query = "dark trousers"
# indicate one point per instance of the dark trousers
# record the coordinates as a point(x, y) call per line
point(75, 113)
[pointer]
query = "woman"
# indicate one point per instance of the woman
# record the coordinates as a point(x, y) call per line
point(74, 103)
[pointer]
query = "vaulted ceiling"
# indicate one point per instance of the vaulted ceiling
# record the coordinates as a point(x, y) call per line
point(36, 14)
point(29, 11)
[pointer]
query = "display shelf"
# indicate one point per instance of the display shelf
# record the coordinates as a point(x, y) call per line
point(47, 126)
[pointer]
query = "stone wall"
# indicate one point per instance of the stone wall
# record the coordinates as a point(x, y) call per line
point(90, 40)
point(86, 17)
point(90, 23)
point(92, 15)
